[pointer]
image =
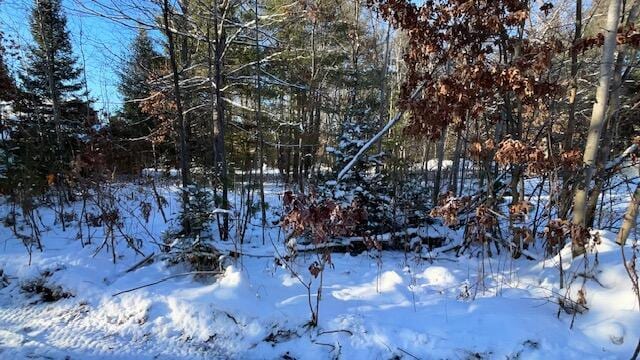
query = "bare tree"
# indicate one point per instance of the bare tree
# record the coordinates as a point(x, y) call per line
point(597, 121)
point(181, 125)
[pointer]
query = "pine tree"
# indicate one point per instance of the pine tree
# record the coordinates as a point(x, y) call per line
point(7, 93)
point(51, 54)
point(52, 116)
point(364, 183)
point(134, 81)
point(7, 86)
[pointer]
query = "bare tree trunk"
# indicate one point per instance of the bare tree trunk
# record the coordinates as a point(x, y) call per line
point(426, 154)
point(300, 169)
point(630, 217)
point(185, 59)
point(219, 153)
point(263, 205)
point(455, 168)
point(182, 131)
point(355, 50)
point(573, 89)
point(440, 155)
point(55, 102)
point(464, 169)
point(313, 99)
point(611, 120)
point(597, 121)
point(384, 110)
point(564, 198)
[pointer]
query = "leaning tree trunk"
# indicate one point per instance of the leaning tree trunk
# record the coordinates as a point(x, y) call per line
point(613, 115)
point(596, 124)
point(630, 217)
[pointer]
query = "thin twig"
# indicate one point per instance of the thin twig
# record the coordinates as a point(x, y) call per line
point(335, 331)
point(168, 278)
point(408, 353)
point(140, 263)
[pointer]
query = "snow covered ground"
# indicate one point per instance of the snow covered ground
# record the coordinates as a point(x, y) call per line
point(374, 306)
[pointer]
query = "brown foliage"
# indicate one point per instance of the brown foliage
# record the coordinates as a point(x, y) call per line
point(321, 219)
point(482, 150)
point(160, 106)
point(516, 152)
point(627, 35)
point(468, 56)
point(483, 223)
point(571, 159)
point(519, 210)
point(449, 207)
point(555, 234)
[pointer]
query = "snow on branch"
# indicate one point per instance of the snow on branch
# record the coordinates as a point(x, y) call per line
point(377, 137)
point(620, 158)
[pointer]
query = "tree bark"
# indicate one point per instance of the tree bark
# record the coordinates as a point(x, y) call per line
point(611, 120)
point(384, 110)
point(597, 121)
point(564, 202)
point(630, 217)
point(573, 89)
point(455, 168)
point(219, 151)
point(181, 126)
point(263, 205)
point(440, 155)
point(55, 102)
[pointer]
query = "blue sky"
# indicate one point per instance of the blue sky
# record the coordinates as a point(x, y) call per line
point(103, 42)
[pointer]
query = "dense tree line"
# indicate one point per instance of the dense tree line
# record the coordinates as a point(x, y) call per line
point(381, 120)
point(474, 97)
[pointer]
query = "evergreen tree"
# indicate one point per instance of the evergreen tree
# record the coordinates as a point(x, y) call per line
point(7, 86)
point(364, 184)
point(53, 119)
point(134, 80)
point(51, 54)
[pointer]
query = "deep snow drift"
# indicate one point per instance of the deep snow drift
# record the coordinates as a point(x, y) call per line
point(374, 306)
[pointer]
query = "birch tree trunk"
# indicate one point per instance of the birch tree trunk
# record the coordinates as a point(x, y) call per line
point(611, 120)
point(597, 121)
point(630, 217)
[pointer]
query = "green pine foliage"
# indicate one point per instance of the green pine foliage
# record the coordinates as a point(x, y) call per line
point(135, 82)
point(39, 151)
point(51, 51)
point(364, 184)
point(7, 85)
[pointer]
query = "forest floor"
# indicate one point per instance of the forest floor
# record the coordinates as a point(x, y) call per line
point(376, 305)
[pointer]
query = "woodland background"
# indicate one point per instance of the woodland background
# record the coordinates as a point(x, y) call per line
point(513, 123)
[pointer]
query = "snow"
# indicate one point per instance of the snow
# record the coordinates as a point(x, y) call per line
point(155, 173)
point(438, 276)
point(373, 306)
point(432, 165)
